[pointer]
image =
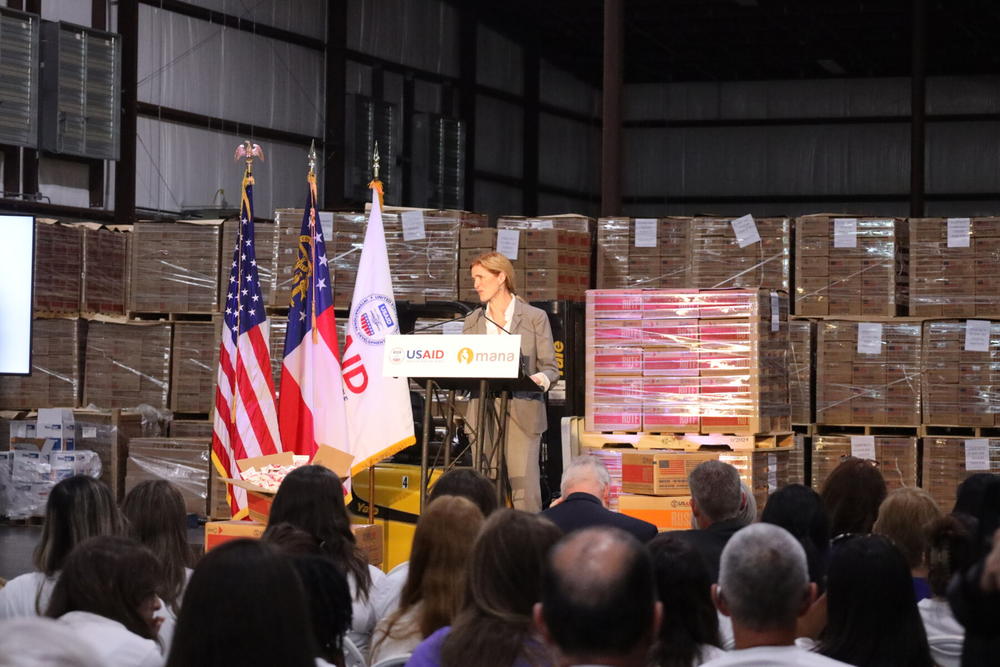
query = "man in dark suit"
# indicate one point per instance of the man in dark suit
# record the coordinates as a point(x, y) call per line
point(716, 499)
point(584, 486)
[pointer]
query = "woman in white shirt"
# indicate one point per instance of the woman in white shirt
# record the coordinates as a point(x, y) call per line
point(78, 508)
point(106, 594)
point(950, 549)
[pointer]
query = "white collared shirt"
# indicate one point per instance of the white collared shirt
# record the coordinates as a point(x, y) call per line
point(540, 379)
point(116, 645)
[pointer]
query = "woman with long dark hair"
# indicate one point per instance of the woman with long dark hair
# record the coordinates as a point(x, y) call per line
point(106, 594)
point(872, 616)
point(851, 495)
point(951, 549)
point(689, 630)
point(78, 507)
point(312, 498)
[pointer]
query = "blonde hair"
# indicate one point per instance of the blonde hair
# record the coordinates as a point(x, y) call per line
point(495, 263)
point(905, 517)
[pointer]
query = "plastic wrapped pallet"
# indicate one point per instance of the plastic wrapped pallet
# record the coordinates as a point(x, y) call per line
point(58, 268)
point(800, 370)
point(276, 335)
point(191, 428)
point(184, 462)
point(709, 361)
point(127, 365)
point(797, 460)
point(955, 267)
point(105, 272)
point(949, 461)
point(717, 259)
point(194, 355)
point(896, 458)
point(643, 252)
point(175, 267)
point(56, 354)
point(851, 266)
point(868, 373)
point(961, 386)
point(107, 433)
point(33, 473)
point(265, 248)
point(566, 221)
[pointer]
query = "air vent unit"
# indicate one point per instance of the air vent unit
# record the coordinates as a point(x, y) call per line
point(18, 78)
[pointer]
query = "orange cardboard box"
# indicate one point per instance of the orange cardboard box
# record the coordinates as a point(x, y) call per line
point(369, 536)
point(664, 512)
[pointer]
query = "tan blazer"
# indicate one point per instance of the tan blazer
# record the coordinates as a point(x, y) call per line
point(539, 357)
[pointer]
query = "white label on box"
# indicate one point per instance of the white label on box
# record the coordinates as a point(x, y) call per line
point(869, 338)
point(453, 328)
point(977, 336)
point(746, 231)
point(863, 447)
point(845, 232)
point(775, 312)
point(89, 432)
point(645, 232)
point(542, 224)
point(413, 225)
point(772, 473)
point(977, 454)
point(326, 224)
point(958, 232)
point(507, 242)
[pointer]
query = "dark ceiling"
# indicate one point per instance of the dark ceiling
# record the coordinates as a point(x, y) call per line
point(731, 40)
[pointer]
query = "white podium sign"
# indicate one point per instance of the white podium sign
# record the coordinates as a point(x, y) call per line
point(452, 356)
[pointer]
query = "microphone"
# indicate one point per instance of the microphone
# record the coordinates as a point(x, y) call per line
point(491, 321)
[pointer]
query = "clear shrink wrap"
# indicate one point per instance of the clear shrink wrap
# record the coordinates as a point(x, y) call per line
point(175, 267)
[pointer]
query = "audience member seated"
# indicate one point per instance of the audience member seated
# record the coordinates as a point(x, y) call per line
point(764, 587)
point(494, 628)
point(872, 616)
point(463, 482)
point(436, 583)
point(106, 594)
point(78, 507)
point(244, 605)
point(979, 499)
point(905, 517)
point(329, 599)
point(38, 641)
point(585, 485)
point(312, 498)
point(156, 518)
point(716, 498)
point(689, 629)
point(974, 596)
point(599, 603)
point(851, 495)
point(949, 551)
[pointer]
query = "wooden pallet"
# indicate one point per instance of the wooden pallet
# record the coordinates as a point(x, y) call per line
point(889, 430)
point(934, 430)
point(684, 441)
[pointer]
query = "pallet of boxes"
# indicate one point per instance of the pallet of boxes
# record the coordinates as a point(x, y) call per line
point(551, 255)
point(677, 377)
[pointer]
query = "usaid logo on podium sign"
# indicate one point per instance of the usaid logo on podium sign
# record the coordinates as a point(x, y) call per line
point(444, 355)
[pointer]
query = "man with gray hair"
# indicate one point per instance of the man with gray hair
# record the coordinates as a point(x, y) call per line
point(764, 587)
point(585, 485)
point(716, 500)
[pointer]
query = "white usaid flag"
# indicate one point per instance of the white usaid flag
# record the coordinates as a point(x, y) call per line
point(379, 418)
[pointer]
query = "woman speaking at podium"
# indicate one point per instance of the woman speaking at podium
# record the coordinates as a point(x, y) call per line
point(503, 313)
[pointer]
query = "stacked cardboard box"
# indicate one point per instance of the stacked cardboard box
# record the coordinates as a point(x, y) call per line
point(108, 432)
point(127, 365)
point(868, 373)
point(190, 428)
point(278, 328)
point(717, 260)
point(949, 461)
point(797, 460)
point(105, 272)
point(476, 241)
point(265, 248)
point(56, 355)
point(193, 358)
point(565, 221)
point(556, 255)
point(58, 268)
point(175, 267)
point(896, 457)
point(955, 267)
point(959, 384)
point(643, 252)
point(184, 462)
point(713, 361)
point(800, 370)
point(343, 251)
point(850, 266)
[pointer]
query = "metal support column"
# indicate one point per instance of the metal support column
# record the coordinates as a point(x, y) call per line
point(918, 108)
point(336, 82)
point(128, 27)
point(611, 127)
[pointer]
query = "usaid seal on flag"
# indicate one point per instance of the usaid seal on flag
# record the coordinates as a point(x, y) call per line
point(375, 318)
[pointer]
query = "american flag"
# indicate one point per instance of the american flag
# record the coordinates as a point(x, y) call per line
point(246, 420)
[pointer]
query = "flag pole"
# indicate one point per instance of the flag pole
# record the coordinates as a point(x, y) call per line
point(246, 150)
point(311, 178)
point(377, 186)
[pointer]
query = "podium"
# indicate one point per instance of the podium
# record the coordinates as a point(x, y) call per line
point(487, 366)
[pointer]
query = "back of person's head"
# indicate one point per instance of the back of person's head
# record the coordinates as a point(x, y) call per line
point(291, 540)
point(970, 493)
point(598, 595)
point(851, 495)
point(587, 472)
point(329, 598)
point(312, 498)
point(78, 507)
point(439, 561)
point(904, 517)
point(798, 509)
point(244, 605)
point(111, 576)
point(42, 642)
point(715, 488)
point(683, 584)
point(763, 579)
point(505, 581)
point(950, 549)
point(872, 616)
point(748, 506)
point(979, 498)
point(155, 517)
point(467, 483)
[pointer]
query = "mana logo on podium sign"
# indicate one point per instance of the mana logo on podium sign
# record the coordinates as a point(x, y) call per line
point(446, 355)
